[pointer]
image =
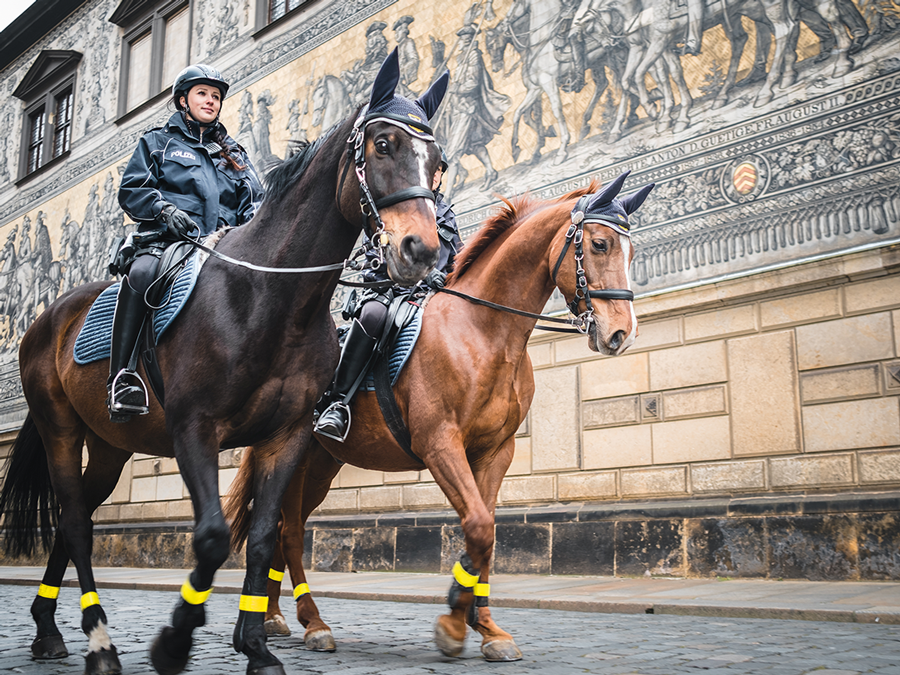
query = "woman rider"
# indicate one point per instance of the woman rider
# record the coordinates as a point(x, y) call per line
point(368, 322)
point(185, 179)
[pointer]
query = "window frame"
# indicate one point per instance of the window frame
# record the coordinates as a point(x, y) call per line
point(152, 19)
point(53, 74)
point(263, 11)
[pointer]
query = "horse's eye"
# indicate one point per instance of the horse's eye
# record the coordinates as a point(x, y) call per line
point(599, 245)
point(382, 147)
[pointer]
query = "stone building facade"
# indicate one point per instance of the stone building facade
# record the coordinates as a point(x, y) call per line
point(753, 429)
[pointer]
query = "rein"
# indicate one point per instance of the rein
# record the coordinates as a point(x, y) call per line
point(574, 235)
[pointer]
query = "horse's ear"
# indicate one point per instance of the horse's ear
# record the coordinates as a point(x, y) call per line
point(607, 194)
point(632, 203)
point(430, 101)
point(386, 81)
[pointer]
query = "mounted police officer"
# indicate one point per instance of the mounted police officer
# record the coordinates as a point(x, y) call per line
point(184, 180)
point(370, 314)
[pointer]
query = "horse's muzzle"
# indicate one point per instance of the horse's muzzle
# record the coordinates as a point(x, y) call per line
point(411, 260)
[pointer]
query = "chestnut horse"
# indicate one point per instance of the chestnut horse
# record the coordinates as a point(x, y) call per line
point(244, 364)
point(464, 429)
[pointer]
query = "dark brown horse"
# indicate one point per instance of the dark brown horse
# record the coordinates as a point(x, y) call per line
point(244, 364)
point(464, 429)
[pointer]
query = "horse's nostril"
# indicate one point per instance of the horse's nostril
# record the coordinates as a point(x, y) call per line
point(617, 339)
point(414, 250)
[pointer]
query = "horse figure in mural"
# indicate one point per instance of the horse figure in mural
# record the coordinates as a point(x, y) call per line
point(530, 26)
point(330, 102)
point(244, 364)
point(463, 432)
point(651, 34)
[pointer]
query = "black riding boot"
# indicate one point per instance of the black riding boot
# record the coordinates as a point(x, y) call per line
point(334, 422)
point(127, 392)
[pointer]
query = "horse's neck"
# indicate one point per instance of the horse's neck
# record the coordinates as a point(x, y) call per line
point(543, 15)
point(516, 273)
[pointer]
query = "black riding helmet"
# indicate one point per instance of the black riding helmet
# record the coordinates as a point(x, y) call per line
point(198, 73)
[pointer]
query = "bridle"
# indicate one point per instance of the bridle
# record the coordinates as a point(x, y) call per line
point(574, 235)
point(369, 206)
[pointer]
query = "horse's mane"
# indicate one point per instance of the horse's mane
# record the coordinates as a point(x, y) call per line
point(510, 215)
point(286, 174)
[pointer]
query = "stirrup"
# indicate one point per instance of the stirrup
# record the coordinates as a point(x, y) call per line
point(331, 428)
point(122, 411)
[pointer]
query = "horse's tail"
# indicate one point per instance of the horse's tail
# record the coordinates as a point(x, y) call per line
point(28, 501)
point(238, 501)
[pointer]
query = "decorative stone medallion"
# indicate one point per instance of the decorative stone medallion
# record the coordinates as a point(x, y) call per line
point(745, 178)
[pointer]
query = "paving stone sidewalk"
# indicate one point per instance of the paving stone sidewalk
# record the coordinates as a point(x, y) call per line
point(393, 638)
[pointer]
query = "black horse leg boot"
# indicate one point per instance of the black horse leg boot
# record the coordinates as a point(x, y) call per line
point(334, 422)
point(127, 392)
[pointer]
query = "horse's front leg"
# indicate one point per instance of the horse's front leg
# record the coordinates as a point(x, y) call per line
point(196, 451)
point(276, 462)
point(447, 463)
point(496, 643)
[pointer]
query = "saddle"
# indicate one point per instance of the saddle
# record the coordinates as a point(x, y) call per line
point(176, 276)
point(395, 344)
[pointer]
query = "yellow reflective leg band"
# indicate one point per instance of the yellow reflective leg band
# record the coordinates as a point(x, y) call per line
point(463, 577)
point(45, 591)
point(482, 590)
point(89, 600)
point(194, 597)
point(275, 575)
point(254, 603)
point(301, 589)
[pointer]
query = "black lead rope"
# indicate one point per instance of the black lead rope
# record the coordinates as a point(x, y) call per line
point(581, 322)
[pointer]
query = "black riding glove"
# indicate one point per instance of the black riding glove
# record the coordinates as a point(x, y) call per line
point(435, 279)
point(178, 223)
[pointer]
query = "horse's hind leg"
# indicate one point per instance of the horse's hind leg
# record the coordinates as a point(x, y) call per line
point(308, 488)
point(100, 478)
point(49, 643)
point(64, 454)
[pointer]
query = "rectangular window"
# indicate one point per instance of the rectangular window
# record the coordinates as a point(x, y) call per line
point(62, 134)
point(139, 70)
point(175, 52)
point(157, 47)
point(36, 122)
point(278, 8)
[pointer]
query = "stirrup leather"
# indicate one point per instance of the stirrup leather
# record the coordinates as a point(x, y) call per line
point(131, 407)
point(329, 423)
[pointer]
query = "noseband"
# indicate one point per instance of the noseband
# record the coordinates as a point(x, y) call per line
point(575, 235)
point(367, 203)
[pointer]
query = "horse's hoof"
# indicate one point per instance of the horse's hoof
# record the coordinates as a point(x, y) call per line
point(842, 67)
point(50, 647)
point(163, 662)
point(320, 641)
point(680, 126)
point(102, 662)
point(277, 669)
point(762, 99)
point(277, 627)
point(448, 645)
point(501, 650)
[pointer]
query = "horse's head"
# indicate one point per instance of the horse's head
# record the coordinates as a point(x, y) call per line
point(396, 157)
point(601, 237)
point(495, 41)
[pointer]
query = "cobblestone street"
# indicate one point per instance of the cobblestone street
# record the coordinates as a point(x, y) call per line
point(395, 638)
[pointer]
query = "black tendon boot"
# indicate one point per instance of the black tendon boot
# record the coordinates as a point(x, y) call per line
point(127, 392)
point(334, 422)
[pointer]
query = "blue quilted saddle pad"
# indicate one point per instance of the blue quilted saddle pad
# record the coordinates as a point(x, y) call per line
point(93, 342)
point(400, 351)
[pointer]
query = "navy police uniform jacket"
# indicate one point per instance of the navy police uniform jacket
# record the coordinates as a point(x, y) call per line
point(172, 165)
point(448, 235)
